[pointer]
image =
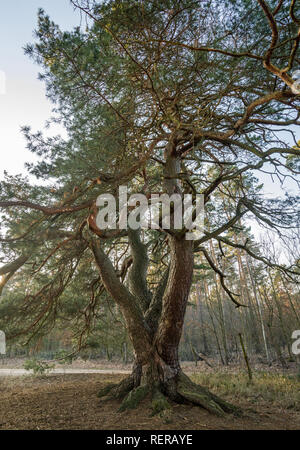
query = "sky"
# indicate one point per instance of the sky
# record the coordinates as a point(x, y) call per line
point(22, 95)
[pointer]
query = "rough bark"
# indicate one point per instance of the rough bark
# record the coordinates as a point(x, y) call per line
point(136, 325)
point(175, 300)
point(138, 272)
point(155, 335)
point(155, 321)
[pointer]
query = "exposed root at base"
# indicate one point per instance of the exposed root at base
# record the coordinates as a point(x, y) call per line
point(134, 398)
point(186, 390)
point(117, 391)
point(159, 402)
point(201, 396)
point(106, 390)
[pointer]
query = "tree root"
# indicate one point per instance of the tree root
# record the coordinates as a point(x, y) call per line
point(159, 402)
point(186, 390)
point(106, 390)
point(134, 398)
point(201, 396)
point(117, 391)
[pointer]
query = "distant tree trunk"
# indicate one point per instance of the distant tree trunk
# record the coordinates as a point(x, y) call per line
point(273, 340)
point(296, 313)
point(250, 327)
point(285, 332)
point(212, 321)
point(246, 357)
point(221, 311)
point(258, 303)
point(124, 352)
point(202, 324)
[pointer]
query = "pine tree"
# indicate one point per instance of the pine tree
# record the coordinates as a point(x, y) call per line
point(163, 97)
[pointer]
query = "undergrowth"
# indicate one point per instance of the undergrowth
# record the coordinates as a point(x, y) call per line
point(278, 389)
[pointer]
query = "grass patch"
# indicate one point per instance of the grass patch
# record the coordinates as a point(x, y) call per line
point(277, 389)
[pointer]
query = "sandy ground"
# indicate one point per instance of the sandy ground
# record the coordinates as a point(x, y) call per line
point(20, 372)
point(69, 401)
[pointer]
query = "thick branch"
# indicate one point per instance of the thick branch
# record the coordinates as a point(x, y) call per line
point(48, 211)
point(136, 325)
point(14, 266)
point(138, 272)
point(153, 313)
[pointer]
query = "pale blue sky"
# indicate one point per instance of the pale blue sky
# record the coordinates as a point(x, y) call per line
point(24, 102)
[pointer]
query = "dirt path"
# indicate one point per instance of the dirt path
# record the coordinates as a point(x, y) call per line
point(69, 401)
point(20, 372)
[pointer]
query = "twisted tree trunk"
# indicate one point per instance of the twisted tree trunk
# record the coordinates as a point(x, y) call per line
point(155, 319)
point(155, 323)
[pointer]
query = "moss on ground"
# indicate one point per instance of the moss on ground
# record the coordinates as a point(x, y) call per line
point(134, 398)
point(159, 403)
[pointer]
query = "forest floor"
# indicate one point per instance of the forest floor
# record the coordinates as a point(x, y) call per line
point(69, 401)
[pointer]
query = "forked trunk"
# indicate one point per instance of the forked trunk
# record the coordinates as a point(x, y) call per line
point(155, 338)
